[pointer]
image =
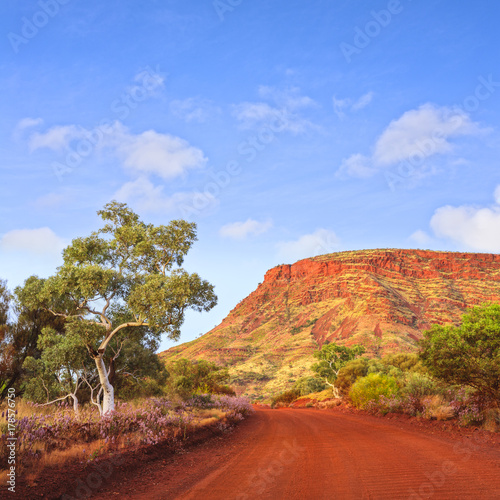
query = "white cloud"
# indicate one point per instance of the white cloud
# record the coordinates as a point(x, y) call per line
point(282, 115)
point(34, 241)
point(496, 195)
point(422, 132)
point(421, 238)
point(56, 138)
point(320, 242)
point(356, 165)
point(339, 105)
point(477, 228)
point(240, 230)
point(154, 153)
point(290, 99)
point(149, 152)
point(148, 83)
point(363, 101)
point(145, 196)
point(414, 137)
point(24, 124)
point(194, 109)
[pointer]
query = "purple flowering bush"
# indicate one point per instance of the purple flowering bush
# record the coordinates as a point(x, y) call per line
point(155, 420)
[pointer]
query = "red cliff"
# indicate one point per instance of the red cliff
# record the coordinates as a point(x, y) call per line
point(382, 299)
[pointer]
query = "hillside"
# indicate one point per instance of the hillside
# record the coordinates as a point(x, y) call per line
point(382, 299)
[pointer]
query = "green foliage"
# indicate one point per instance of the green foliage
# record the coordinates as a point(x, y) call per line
point(468, 355)
point(418, 385)
point(298, 329)
point(60, 369)
point(307, 385)
point(405, 362)
point(350, 372)
point(371, 387)
point(332, 358)
point(120, 278)
point(250, 376)
point(19, 337)
point(191, 377)
point(285, 398)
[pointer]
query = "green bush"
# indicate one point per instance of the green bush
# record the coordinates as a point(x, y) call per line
point(285, 398)
point(306, 385)
point(371, 387)
point(348, 374)
point(468, 355)
point(418, 385)
point(404, 361)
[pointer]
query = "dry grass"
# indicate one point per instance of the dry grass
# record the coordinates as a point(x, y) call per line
point(72, 449)
point(435, 407)
point(492, 420)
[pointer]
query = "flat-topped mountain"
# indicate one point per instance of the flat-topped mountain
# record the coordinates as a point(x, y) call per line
point(382, 299)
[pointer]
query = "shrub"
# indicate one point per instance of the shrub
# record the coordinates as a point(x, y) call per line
point(285, 398)
point(307, 385)
point(404, 361)
point(468, 355)
point(418, 385)
point(371, 387)
point(435, 408)
point(353, 370)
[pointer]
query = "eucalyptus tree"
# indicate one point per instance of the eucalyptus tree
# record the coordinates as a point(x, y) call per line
point(126, 265)
point(467, 355)
point(60, 372)
point(333, 357)
point(18, 338)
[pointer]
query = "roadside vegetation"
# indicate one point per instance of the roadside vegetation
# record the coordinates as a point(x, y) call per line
point(79, 373)
point(190, 399)
point(454, 375)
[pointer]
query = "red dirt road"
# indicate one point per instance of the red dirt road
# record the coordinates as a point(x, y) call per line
point(311, 454)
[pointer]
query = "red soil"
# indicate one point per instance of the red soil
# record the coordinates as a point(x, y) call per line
point(312, 454)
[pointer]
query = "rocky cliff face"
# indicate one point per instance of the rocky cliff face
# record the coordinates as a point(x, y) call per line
point(382, 299)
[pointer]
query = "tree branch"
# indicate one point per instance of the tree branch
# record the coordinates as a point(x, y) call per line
point(106, 341)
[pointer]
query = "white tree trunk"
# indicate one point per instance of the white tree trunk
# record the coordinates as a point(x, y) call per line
point(108, 399)
point(75, 403)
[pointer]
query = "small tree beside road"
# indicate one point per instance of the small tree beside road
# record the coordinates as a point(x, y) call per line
point(332, 358)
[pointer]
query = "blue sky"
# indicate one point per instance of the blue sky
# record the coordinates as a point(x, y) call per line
point(284, 129)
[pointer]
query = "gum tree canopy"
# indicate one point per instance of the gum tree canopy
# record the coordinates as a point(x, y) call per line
point(128, 267)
